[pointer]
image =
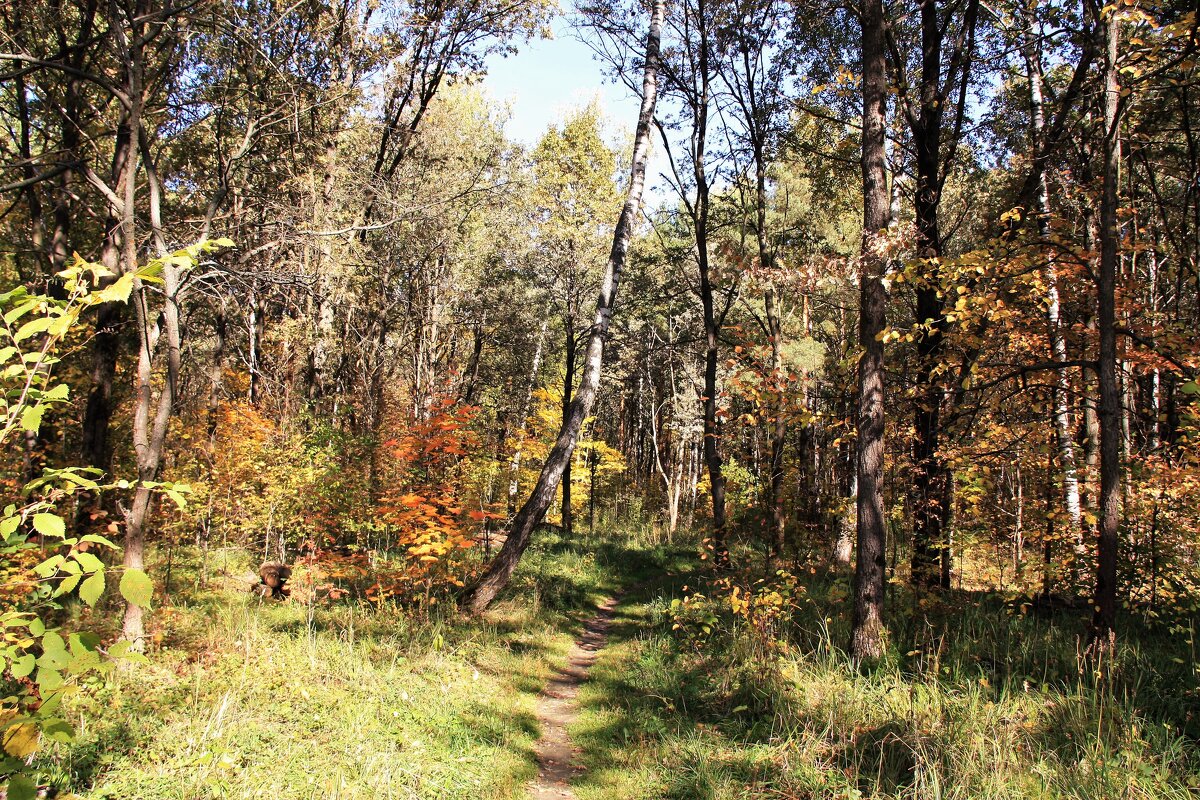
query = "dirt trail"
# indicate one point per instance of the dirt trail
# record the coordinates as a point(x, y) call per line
point(557, 709)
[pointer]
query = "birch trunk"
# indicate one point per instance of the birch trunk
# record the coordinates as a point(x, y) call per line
point(1031, 50)
point(478, 596)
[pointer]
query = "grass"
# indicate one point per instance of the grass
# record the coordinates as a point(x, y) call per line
point(973, 702)
point(244, 699)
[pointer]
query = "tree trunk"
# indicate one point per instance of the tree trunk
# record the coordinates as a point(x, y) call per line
point(478, 596)
point(1031, 49)
point(159, 339)
point(867, 635)
point(215, 373)
point(930, 474)
point(106, 344)
point(1104, 620)
point(254, 325)
point(777, 425)
point(568, 383)
point(843, 546)
point(468, 392)
point(514, 467)
point(700, 214)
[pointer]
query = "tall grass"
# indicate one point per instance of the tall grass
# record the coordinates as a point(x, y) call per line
point(974, 700)
point(243, 698)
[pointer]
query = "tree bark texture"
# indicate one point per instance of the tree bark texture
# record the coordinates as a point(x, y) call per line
point(1104, 620)
point(867, 635)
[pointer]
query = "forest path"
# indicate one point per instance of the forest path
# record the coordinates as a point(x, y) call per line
point(557, 709)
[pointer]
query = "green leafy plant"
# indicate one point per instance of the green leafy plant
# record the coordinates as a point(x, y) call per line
point(43, 664)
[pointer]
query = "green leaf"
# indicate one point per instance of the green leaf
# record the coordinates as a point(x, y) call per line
point(33, 326)
point(14, 314)
point(1191, 387)
point(61, 324)
point(31, 417)
point(49, 566)
point(23, 665)
point(6, 353)
point(49, 679)
point(116, 292)
point(98, 539)
point(84, 641)
point(54, 649)
point(181, 259)
point(49, 525)
point(91, 589)
point(58, 730)
point(136, 587)
point(36, 627)
point(152, 271)
point(88, 561)
point(67, 585)
point(57, 393)
point(21, 788)
point(8, 526)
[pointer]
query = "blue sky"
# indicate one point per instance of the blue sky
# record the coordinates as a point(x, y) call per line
point(549, 77)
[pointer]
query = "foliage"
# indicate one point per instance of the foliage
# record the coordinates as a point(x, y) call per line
point(424, 505)
point(43, 663)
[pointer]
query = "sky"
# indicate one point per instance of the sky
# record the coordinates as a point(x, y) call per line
point(549, 77)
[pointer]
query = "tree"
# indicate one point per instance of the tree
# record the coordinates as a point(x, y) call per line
point(1104, 619)
point(573, 172)
point(496, 576)
point(942, 86)
point(753, 65)
point(867, 635)
point(691, 77)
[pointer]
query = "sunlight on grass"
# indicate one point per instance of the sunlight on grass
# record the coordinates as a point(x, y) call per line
point(249, 699)
point(734, 717)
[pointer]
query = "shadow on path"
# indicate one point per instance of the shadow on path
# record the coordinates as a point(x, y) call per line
point(557, 709)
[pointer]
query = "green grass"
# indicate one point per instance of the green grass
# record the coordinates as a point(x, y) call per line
point(972, 703)
point(244, 699)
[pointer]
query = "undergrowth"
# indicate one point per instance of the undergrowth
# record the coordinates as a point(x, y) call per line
point(243, 698)
point(690, 701)
point(974, 700)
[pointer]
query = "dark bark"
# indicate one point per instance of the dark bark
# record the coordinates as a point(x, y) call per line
point(468, 393)
point(777, 425)
point(931, 476)
point(1104, 620)
point(106, 344)
point(215, 373)
point(479, 595)
point(867, 635)
point(712, 426)
point(568, 384)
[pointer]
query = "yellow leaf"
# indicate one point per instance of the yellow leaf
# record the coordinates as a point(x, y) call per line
point(21, 740)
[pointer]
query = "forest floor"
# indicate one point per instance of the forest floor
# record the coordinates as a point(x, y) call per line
point(242, 699)
point(558, 709)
